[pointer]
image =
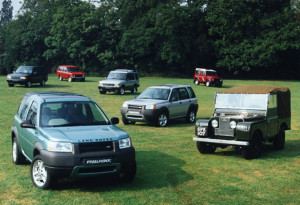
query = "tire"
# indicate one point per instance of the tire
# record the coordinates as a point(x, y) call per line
point(220, 85)
point(43, 83)
point(279, 140)
point(127, 173)
point(162, 120)
point(39, 174)
point(125, 121)
point(191, 116)
point(60, 78)
point(206, 148)
point(18, 157)
point(196, 82)
point(28, 84)
point(207, 83)
point(70, 79)
point(102, 92)
point(122, 91)
point(255, 148)
point(82, 80)
point(134, 90)
point(11, 85)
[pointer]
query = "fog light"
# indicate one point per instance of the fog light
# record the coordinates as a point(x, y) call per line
point(232, 124)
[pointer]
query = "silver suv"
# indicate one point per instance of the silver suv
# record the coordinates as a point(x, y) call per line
point(158, 104)
point(118, 81)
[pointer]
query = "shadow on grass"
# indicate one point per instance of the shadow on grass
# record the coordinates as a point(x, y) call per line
point(171, 123)
point(290, 150)
point(40, 86)
point(154, 170)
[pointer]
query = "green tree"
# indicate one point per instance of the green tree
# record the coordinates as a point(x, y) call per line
point(6, 11)
point(253, 34)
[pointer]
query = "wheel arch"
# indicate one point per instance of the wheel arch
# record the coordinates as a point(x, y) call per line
point(164, 109)
point(37, 149)
point(284, 126)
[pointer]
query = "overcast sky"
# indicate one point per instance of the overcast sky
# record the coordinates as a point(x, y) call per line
point(16, 5)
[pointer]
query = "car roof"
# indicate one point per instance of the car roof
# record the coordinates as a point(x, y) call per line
point(169, 86)
point(255, 89)
point(123, 71)
point(55, 96)
point(204, 69)
point(68, 66)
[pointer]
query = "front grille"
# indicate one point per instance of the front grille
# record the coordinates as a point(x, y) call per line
point(135, 107)
point(224, 128)
point(78, 76)
point(15, 78)
point(106, 84)
point(96, 147)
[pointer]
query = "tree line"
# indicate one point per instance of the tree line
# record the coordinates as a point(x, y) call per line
point(250, 38)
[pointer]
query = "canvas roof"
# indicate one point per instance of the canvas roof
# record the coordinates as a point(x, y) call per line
point(283, 93)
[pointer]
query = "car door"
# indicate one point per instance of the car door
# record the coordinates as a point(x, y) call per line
point(184, 100)
point(130, 80)
point(28, 134)
point(175, 104)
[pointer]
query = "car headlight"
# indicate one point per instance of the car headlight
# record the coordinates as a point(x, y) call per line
point(150, 107)
point(60, 147)
point(8, 77)
point(232, 124)
point(23, 78)
point(214, 123)
point(125, 104)
point(118, 85)
point(124, 143)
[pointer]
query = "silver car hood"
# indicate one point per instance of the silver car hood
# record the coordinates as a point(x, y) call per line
point(145, 101)
point(111, 81)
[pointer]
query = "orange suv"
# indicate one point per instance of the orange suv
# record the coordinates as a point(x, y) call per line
point(70, 72)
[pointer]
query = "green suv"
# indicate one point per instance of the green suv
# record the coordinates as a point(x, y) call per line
point(68, 135)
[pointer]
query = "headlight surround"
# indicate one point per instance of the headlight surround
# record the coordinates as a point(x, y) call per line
point(150, 107)
point(118, 85)
point(23, 78)
point(214, 123)
point(232, 124)
point(124, 143)
point(8, 77)
point(60, 147)
point(125, 104)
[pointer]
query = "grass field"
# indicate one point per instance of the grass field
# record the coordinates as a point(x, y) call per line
point(170, 170)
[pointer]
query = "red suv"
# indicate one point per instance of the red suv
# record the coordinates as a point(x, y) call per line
point(207, 77)
point(70, 72)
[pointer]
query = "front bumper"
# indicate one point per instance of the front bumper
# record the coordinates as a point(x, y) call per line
point(19, 81)
point(141, 115)
point(76, 165)
point(220, 141)
point(109, 89)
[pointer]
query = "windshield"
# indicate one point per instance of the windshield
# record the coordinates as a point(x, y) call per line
point(73, 69)
point(211, 73)
point(24, 69)
point(242, 101)
point(118, 76)
point(155, 93)
point(60, 114)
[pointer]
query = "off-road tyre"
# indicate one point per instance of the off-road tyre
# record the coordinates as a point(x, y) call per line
point(18, 157)
point(196, 82)
point(207, 83)
point(255, 148)
point(162, 120)
point(122, 91)
point(70, 80)
point(134, 90)
point(191, 116)
point(11, 85)
point(279, 140)
point(125, 121)
point(206, 148)
point(28, 84)
point(60, 78)
point(40, 177)
point(127, 173)
point(43, 83)
point(102, 92)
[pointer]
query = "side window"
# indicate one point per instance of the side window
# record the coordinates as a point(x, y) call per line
point(175, 95)
point(273, 101)
point(130, 76)
point(183, 94)
point(136, 76)
point(198, 72)
point(32, 113)
point(191, 92)
point(23, 107)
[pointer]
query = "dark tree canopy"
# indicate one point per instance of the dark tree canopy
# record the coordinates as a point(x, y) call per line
point(6, 12)
point(239, 37)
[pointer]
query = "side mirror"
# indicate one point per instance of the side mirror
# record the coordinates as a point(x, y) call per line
point(114, 120)
point(27, 124)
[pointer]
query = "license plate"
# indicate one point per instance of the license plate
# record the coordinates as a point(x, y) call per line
point(97, 161)
point(201, 131)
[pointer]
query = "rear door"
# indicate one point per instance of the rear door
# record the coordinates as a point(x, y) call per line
point(185, 101)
